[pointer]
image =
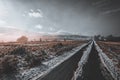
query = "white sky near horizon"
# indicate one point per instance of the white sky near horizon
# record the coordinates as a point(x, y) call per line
point(25, 17)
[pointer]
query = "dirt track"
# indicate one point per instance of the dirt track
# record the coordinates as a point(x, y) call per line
point(92, 70)
point(65, 70)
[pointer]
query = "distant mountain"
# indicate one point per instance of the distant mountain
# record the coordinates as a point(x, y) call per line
point(63, 33)
point(72, 37)
point(65, 36)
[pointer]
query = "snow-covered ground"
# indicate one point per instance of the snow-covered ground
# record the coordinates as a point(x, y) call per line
point(108, 63)
point(82, 62)
point(47, 66)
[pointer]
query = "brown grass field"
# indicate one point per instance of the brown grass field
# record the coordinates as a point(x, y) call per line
point(31, 54)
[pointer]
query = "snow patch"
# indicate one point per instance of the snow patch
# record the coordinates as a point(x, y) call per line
point(82, 62)
point(108, 63)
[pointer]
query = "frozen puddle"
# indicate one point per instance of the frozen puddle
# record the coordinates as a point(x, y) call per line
point(47, 66)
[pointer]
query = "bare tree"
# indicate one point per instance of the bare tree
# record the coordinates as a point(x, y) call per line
point(22, 39)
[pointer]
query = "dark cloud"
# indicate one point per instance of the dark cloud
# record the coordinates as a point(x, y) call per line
point(88, 17)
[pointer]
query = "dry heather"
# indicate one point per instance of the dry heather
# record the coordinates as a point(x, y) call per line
point(16, 56)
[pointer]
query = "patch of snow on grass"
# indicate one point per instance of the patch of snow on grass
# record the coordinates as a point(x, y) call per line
point(108, 63)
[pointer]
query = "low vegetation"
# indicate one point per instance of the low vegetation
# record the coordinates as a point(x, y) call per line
point(112, 50)
point(20, 56)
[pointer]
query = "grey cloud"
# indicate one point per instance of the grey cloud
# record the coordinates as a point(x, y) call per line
point(81, 16)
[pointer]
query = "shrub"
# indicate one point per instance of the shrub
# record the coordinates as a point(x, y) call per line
point(33, 59)
point(8, 64)
point(19, 51)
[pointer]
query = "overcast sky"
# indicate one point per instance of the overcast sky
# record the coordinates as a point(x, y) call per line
point(86, 17)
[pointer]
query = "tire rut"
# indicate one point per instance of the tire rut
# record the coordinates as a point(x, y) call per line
point(92, 70)
point(66, 69)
